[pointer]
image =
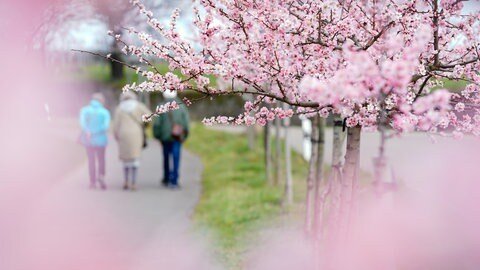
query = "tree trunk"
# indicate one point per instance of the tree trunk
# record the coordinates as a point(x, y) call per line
point(350, 175)
point(268, 152)
point(384, 186)
point(251, 132)
point(117, 71)
point(311, 176)
point(339, 136)
point(307, 138)
point(278, 153)
point(318, 199)
point(381, 182)
point(380, 166)
point(288, 163)
point(251, 137)
point(335, 178)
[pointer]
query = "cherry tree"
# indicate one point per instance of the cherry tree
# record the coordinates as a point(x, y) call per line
point(62, 18)
point(118, 13)
point(373, 64)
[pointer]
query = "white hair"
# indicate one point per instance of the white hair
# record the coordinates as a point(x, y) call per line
point(128, 95)
point(99, 97)
point(169, 94)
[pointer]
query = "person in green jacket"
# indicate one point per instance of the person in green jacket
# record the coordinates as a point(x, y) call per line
point(171, 129)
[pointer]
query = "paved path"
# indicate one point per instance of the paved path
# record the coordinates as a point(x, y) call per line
point(73, 227)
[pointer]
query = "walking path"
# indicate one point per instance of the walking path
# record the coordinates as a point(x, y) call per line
point(73, 227)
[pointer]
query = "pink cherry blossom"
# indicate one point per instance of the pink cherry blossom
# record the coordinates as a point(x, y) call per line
point(373, 62)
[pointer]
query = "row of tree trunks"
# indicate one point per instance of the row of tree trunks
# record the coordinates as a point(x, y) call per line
point(340, 189)
point(275, 173)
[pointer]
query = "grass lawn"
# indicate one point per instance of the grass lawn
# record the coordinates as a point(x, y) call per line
point(236, 199)
point(455, 86)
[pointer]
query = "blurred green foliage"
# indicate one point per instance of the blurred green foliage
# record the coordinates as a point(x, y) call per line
point(100, 73)
point(455, 86)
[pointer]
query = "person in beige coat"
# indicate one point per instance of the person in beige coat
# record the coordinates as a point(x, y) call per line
point(128, 131)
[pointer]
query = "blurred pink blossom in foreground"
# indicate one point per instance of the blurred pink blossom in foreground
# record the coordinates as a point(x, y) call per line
point(431, 226)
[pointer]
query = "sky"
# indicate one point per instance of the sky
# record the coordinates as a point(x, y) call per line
point(471, 5)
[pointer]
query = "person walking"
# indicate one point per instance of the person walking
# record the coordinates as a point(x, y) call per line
point(94, 122)
point(129, 132)
point(171, 129)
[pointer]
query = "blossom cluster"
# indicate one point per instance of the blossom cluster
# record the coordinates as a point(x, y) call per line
point(258, 116)
point(373, 62)
point(161, 109)
point(169, 106)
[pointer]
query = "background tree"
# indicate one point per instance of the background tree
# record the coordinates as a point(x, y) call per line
point(62, 19)
point(118, 14)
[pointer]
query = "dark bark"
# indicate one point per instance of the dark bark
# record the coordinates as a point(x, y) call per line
point(288, 162)
point(350, 177)
point(318, 200)
point(278, 153)
point(117, 69)
point(268, 152)
point(336, 176)
point(311, 177)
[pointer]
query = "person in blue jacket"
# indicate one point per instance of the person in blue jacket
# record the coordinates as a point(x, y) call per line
point(95, 121)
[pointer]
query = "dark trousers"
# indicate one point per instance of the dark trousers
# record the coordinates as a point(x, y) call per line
point(171, 153)
point(96, 162)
